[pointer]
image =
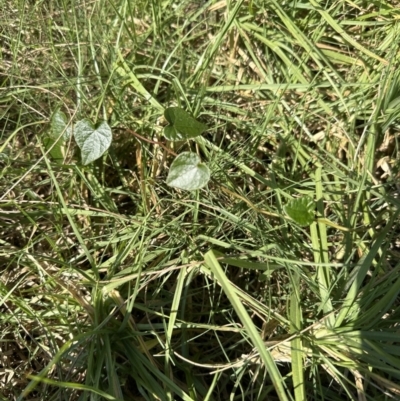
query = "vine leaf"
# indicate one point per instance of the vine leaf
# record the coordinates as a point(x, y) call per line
point(187, 172)
point(59, 124)
point(53, 140)
point(92, 141)
point(181, 125)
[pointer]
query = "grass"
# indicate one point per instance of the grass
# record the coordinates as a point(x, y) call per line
point(115, 286)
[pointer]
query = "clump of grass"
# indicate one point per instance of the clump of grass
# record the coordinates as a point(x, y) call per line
point(115, 286)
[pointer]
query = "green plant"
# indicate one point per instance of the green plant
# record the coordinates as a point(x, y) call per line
point(301, 210)
point(186, 172)
point(280, 281)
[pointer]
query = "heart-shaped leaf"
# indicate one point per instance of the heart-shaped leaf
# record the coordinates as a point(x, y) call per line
point(93, 142)
point(182, 125)
point(301, 210)
point(187, 172)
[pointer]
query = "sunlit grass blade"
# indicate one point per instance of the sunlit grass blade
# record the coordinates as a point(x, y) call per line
point(76, 386)
point(361, 271)
point(296, 344)
point(251, 330)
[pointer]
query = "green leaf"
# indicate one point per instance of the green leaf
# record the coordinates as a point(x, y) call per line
point(55, 137)
point(93, 142)
point(59, 124)
point(301, 210)
point(182, 125)
point(55, 148)
point(187, 172)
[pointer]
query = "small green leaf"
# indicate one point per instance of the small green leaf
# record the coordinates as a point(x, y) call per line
point(182, 125)
point(301, 210)
point(55, 137)
point(93, 142)
point(56, 148)
point(59, 124)
point(187, 172)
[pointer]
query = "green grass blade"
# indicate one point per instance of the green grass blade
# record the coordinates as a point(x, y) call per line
point(251, 331)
